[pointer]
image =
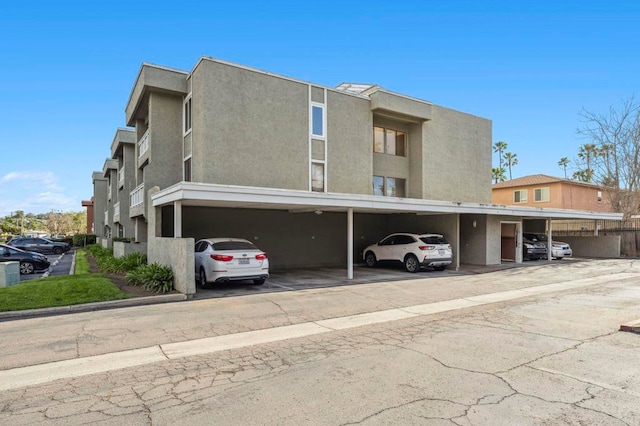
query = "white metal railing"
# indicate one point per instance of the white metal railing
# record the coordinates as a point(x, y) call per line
point(116, 210)
point(137, 195)
point(109, 192)
point(106, 217)
point(121, 176)
point(143, 144)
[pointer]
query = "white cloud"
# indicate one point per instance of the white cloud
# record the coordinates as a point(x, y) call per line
point(47, 180)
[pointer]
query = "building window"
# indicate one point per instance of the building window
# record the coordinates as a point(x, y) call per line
point(388, 141)
point(541, 195)
point(317, 177)
point(599, 196)
point(520, 196)
point(389, 186)
point(317, 121)
point(187, 115)
point(187, 170)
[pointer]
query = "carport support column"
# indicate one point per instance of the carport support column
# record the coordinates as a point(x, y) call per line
point(177, 219)
point(350, 243)
point(549, 241)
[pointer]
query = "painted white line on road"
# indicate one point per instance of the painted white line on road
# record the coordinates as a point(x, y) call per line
point(37, 374)
point(72, 270)
point(43, 373)
point(281, 286)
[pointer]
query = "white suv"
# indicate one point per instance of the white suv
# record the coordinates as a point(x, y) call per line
point(413, 250)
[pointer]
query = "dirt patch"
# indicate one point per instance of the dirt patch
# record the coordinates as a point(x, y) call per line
point(120, 281)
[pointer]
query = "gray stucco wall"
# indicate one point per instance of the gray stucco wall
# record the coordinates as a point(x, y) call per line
point(128, 159)
point(607, 246)
point(178, 254)
point(473, 240)
point(165, 136)
point(249, 128)
point(349, 144)
point(457, 157)
point(121, 249)
point(99, 203)
point(494, 238)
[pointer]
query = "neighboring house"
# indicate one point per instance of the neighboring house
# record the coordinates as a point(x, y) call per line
point(90, 221)
point(123, 151)
point(551, 192)
point(312, 174)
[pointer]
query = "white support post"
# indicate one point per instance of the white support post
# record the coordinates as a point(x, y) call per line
point(595, 227)
point(350, 243)
point(457, 253)
point(549, 241)
point(177, 219)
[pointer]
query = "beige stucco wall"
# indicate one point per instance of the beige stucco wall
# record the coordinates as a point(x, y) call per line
point(457, 157)
point(473, 240)
point(178, 254)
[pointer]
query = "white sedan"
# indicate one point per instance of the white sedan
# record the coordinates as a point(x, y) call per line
point(229, 259)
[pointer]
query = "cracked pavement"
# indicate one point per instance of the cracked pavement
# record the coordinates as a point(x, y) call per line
point(553, 358)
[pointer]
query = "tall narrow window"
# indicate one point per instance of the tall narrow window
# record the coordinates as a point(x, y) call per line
point(187, 115)
point(378, 185)
point(317, 121)
point(317, 177)
point(187, 170)
point(378, 139)
point(599, 196)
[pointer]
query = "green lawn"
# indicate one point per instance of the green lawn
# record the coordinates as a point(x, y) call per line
point(60, 290)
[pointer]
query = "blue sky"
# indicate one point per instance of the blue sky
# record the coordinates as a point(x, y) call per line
point(67, 69)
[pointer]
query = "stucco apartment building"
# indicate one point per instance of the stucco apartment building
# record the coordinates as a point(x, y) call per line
point(551, 192)
point(311, 174)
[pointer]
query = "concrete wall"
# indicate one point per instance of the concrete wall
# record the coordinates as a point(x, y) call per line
point(9, 274)
point(99, 203)
point(121, 249)
point(178, 254)
point(594, 246)
point(473, 240)
point(457, 157)
point(494, 241)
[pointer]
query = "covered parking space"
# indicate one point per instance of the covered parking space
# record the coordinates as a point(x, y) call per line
point(301, 229)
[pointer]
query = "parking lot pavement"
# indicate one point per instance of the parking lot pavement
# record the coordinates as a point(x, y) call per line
point(304, 279)
point(60, 265)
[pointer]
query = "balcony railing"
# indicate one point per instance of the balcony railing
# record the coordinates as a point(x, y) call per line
point(109, 192)
point(116, 210)
point(137, 195)
point(106, 217)
point(121, 176)
point(143, 144)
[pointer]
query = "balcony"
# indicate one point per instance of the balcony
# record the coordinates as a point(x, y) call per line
point(116, 212)
point(143, 144)
point(136, 206)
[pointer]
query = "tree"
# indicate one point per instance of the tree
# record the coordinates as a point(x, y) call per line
point(500, 147)
point(498, 174)
point(612, 158)
point(510, 159)
point(564, 162)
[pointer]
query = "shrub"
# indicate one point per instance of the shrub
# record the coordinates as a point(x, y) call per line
point(81, 240)
point(154, 277)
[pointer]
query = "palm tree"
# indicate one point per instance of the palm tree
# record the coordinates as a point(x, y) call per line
point(564, 162)
point(510, 159)
point(588, 152)
point(500, 147)
point(497, 174)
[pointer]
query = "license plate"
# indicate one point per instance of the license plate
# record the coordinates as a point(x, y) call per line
point(243, 261)
point(440, 251)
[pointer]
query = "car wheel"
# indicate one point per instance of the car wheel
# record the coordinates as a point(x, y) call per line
point(440, 268)
point(57, 250)
point(26, 268)
point(259, 281)
point(203, 279)
point(411, 263)
point(370, 259)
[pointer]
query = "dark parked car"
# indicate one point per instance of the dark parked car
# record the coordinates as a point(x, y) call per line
point(29, 261)
point(39, 245)
point(533, 250)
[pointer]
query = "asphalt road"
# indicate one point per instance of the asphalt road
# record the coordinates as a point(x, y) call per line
point(525, 346)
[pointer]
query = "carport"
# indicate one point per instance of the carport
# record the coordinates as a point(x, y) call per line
point(474, 230)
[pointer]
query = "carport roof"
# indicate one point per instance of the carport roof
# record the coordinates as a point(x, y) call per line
point(230, 196)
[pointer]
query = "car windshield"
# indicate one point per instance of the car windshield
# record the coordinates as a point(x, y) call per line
point(433, 240)
point(234, 245)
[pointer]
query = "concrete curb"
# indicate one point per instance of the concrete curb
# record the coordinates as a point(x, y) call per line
point(631, 327)
point(96, 306)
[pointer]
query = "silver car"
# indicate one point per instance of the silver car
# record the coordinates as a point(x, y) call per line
point(229, 259)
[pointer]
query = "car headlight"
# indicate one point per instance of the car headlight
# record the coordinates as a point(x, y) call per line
point(529, 246)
